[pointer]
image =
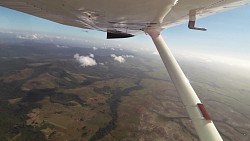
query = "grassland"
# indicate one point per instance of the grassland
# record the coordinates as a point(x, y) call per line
point(53, 98)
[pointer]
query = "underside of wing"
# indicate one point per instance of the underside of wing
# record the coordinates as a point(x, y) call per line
point(119, 16)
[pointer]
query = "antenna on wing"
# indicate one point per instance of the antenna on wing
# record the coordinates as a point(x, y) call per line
point(192, 18)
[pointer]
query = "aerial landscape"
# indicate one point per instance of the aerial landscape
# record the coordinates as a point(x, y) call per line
point(56, 92)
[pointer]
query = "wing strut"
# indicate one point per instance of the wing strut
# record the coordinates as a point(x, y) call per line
point(196, 111)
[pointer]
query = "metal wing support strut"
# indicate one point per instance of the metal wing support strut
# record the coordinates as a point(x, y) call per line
point(196, 110)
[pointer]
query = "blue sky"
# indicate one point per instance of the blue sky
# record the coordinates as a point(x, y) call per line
point(228, 32)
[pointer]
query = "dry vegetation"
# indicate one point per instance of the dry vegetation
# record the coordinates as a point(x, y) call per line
point(58, 100)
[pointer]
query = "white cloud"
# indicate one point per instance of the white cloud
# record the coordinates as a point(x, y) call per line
point(128, 56)
point(95, 48)
point(34, 36)
point(61, 46)
point(112, 48)
point(118, 58)
point(91, 55)
point(29, 36)
point(101, 63)
point(23, 37)
point(85, 60)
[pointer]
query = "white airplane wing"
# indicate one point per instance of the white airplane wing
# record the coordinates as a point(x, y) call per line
point(126, 18)
point(120, 16)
